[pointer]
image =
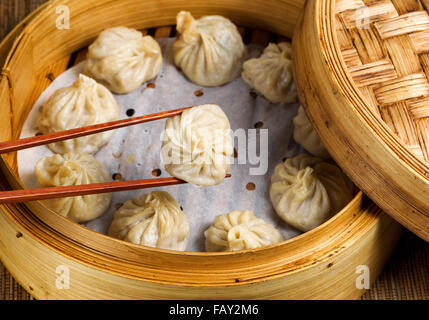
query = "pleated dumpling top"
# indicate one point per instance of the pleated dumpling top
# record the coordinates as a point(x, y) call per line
point(154, 219)
point(84, 103)
point(209, 50)
point(240, 230)
point(74, 169)
point(123, 59)
point(271, 73)
point(197, 145)
point(306, 191)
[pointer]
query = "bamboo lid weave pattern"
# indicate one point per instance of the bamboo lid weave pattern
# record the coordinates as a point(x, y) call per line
point(385, 45)
point(365, 65)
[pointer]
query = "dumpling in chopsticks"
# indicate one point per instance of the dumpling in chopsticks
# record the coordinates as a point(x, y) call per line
point(84, 103)
point(123, 59)
point(210, 50)
point(306, 191)
point(271, 73)
point(153, 220)
point(197, 145)
point(74, 169)
point(240, 230)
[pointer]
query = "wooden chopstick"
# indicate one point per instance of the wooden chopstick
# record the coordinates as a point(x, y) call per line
point(15, 145)
point(24, 195)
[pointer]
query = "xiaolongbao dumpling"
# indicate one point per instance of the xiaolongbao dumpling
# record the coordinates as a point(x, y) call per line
point(197, 145)
point(210, 50)
point(122, 59)
point(271, 73)
point(84, 103)
point(153, 220)
point(306, 136)
point(306, 191)
point(239, 230)
point(74, 169)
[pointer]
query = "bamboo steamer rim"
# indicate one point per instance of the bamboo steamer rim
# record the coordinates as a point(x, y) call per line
point(87, 247)
point(360, 141)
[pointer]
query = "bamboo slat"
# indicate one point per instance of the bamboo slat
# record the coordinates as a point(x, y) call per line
point(377, 11)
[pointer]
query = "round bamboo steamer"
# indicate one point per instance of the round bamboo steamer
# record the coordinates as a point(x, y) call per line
point(34, 241)
point(362, 70)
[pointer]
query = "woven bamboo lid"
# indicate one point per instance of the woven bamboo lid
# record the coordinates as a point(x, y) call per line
point(362, 69)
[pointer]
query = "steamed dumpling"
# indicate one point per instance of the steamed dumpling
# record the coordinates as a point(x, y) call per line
point(240, 230)
point(306, 191)
point(197, 145)
point(271, 73)
point(74, 169)
point(84, 103)
point(210, 50)
point(306, 136)
point(123, 59)
point(153, 220)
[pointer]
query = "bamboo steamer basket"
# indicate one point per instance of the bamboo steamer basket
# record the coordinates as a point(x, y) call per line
point(362, 70)
point(34, 241)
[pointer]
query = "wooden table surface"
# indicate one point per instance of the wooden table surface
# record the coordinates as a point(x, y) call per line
point(406, 276)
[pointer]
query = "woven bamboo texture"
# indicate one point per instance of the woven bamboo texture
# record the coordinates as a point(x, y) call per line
point(385, 45)
point(405, 278)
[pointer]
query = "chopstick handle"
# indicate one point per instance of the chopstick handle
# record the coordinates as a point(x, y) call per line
point(25, 143)
point(24, 195)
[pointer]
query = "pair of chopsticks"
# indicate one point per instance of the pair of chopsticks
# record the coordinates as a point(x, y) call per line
point(15, 196)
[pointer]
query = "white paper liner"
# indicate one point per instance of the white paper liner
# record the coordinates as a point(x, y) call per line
point(134, 152)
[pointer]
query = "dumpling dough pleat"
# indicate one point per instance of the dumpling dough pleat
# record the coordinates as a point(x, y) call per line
point(306, 191)
point(123, 59)
point(240, 230)
point(84, 103)
point(153, 220)
point(210, 50)
point(74, 169)
point(271, 73)
point(306, 136)
point(197, 145)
